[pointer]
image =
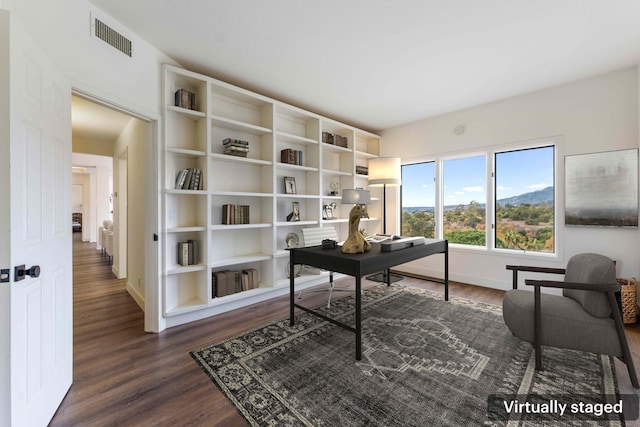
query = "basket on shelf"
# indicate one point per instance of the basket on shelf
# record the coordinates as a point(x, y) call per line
point(628, 299)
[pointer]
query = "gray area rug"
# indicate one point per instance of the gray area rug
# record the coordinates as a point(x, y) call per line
point(426, 362)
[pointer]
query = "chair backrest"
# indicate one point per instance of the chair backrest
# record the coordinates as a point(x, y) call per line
point(590, 268)
point(313, 236)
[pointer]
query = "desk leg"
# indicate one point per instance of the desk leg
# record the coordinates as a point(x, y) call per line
point(358, 318)
point(292, 281)
point(446, 270)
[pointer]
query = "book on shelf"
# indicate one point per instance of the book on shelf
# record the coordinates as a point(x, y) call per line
point(188, 253)
point(189, 179)
point(334, 139)
point(253, 278)
point(235, 214)
point(229, 282)
point(185, 99)
point(219, 284)
point(292, 157)
point(235, 147)
point(183, 254)
point(362, 170)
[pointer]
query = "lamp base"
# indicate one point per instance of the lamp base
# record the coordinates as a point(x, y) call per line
point(382, 278)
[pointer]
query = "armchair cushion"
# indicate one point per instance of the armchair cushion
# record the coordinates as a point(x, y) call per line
point(590, 268)
point(565, 323)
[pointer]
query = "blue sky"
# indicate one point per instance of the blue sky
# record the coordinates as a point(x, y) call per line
point(517, 172)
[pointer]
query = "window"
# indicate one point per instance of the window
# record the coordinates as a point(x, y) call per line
point(524, 205)
point(464, 200)
point(418, 199)
point(522, 209)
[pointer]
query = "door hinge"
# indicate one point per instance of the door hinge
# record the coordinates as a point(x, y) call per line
point(5, 275)
point(155, 237)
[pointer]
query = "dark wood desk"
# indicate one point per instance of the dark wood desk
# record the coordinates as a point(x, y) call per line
point(359, 265)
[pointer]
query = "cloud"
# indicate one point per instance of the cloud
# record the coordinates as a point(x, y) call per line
point(475, 189)
point(502, 187)
point(459, 193)
point(537, 186)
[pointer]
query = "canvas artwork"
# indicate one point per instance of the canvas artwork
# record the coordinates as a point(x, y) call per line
point(601, 189)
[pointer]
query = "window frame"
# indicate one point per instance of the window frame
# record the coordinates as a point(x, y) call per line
point(490, 203)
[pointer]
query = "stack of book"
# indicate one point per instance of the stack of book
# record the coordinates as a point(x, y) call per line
point(235, 214)
point(185, 99)
point(189, 179)
point(292, 157)
point(188, 253)
point(334, 139)
point(362, 170)
point(236, 147)
point(228, 282)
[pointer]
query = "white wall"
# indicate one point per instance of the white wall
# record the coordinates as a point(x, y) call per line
point(62, 28)
point(88, 201)
point(597, 114)
point(135, 139)
point(96, 210)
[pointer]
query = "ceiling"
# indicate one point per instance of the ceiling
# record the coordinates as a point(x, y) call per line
point(378, 64)
point(95, 122)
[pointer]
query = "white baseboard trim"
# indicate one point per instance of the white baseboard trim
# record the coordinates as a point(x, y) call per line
point(139, 299)
point(477, 280)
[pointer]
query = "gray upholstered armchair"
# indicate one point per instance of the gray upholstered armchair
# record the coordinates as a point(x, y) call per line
point(586, 317)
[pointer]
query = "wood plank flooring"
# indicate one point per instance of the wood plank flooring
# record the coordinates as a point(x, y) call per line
point(124, 376)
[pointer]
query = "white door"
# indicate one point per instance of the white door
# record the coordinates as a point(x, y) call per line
point(41, 320)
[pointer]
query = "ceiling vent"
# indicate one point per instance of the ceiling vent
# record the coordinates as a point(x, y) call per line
point(111, 37)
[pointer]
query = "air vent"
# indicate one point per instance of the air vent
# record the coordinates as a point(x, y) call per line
point(112, 37)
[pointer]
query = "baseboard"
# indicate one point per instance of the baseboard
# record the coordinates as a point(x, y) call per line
point(139, 299)
point(477, 280)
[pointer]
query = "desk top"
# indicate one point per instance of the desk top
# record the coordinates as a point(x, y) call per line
point(365, 263)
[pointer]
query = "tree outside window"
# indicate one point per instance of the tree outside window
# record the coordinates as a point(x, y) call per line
point(418, 199)
point(464, 200)
point(525, 200)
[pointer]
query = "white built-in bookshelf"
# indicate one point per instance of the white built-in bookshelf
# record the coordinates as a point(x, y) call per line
point(193, 138)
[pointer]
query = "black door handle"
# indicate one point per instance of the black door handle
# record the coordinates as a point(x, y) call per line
point(20, 271)
point(33, 271)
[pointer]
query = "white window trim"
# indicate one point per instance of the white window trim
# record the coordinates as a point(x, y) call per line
point(489, 154)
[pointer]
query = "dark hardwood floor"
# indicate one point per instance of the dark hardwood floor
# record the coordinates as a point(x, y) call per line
point(124, 376)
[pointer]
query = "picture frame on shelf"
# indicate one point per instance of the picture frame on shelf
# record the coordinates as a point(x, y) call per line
point(295, 212)
point(290, 185)
point(327, 211)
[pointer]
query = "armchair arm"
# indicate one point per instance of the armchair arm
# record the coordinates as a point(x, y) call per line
point(601, 287)
point(516, 268)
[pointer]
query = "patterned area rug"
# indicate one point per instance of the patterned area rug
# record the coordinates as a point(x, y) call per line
point(426, 362)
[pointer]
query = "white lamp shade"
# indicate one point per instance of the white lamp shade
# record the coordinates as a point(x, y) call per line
point(384, 170)
point(356, 197)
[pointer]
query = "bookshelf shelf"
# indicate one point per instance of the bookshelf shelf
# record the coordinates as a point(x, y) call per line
point(247, 160)
point(243, 259)
point(185, 229)
point(185, 152)
point(289, 166)
point(238, 125)
point(288, 137)
point(220, 227)
point(187, 269)
point(295, 223)
point(192, 114)
point(197, 138)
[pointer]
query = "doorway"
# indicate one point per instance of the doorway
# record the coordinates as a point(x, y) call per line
point(102, 129)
